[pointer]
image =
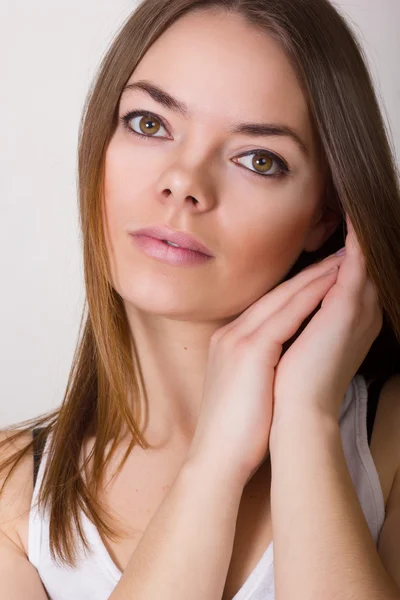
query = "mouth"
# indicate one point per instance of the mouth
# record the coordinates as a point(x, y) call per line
point(166, 252)
point(174, 239)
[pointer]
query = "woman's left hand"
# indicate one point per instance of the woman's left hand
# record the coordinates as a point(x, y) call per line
point(314, 373)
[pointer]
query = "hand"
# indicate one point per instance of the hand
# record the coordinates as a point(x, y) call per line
point(316, 370)
point(236, 413)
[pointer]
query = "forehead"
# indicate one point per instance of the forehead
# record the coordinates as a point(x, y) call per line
point(225, 69)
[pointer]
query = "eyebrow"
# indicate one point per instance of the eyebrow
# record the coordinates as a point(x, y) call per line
point(253, 129)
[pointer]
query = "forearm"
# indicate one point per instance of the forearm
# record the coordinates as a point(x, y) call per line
point(322, 544)
point(186, 549)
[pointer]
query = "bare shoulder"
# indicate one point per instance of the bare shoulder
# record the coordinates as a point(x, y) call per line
point(385, 440)
point(16, 497)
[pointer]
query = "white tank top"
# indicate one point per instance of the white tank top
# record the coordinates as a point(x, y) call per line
point(96, 575)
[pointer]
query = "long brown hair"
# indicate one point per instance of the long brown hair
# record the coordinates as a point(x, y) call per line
point(362, 181)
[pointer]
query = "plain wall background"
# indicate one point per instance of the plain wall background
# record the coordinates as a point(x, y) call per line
point(49, 54)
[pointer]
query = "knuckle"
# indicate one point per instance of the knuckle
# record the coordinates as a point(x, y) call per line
point(216, 336)
point(232, 341)
point(239, 343)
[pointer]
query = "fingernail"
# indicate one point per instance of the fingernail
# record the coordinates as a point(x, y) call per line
point(341, 251)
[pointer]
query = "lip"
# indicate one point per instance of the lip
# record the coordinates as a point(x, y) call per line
point(184, 240)
point(161, 251)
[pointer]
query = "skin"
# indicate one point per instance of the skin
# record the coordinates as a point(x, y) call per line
point(255, 227)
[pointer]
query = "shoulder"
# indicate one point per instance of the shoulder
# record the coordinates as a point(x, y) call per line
point(385, 440)
point(16, 496)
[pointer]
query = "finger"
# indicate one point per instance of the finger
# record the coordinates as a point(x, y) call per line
point(273, 300)
point(352, 244)
point(282, 325)
point(352, 275)
point(372, 302)
point(370, 293)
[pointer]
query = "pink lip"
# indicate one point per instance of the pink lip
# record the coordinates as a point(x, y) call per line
point(169, 254)
point(184, 240)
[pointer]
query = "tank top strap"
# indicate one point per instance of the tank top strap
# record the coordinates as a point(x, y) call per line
point(38, 447)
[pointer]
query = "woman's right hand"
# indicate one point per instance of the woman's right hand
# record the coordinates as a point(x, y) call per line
point(232, 432)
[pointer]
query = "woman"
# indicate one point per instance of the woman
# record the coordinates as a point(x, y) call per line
point(254, 372)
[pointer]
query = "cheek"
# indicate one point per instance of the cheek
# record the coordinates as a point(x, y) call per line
point(125, 174)
point(119, 174)
point(261, 258)
point(267, 241)
point(117, 209)
point(122, 178)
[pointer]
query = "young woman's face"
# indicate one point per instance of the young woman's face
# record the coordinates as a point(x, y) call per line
point(254, 215)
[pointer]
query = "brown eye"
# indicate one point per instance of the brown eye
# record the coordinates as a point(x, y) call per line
point(149, 125)
point(263, 163)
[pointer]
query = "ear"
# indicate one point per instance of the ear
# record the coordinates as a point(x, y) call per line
point(325, 222)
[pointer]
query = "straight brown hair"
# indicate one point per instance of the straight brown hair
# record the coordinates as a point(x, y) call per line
point(362, 180)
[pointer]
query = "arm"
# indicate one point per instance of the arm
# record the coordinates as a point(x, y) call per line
point(322, 545)
point(186, 549)
point(19, 580)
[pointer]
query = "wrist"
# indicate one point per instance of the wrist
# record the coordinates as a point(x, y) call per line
point(294, 424)
point(205, 468)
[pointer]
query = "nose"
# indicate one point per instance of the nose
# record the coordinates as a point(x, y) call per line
point(167, 193)
point(188, 178)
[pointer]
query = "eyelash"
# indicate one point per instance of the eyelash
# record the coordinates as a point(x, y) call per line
point(283, 167)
